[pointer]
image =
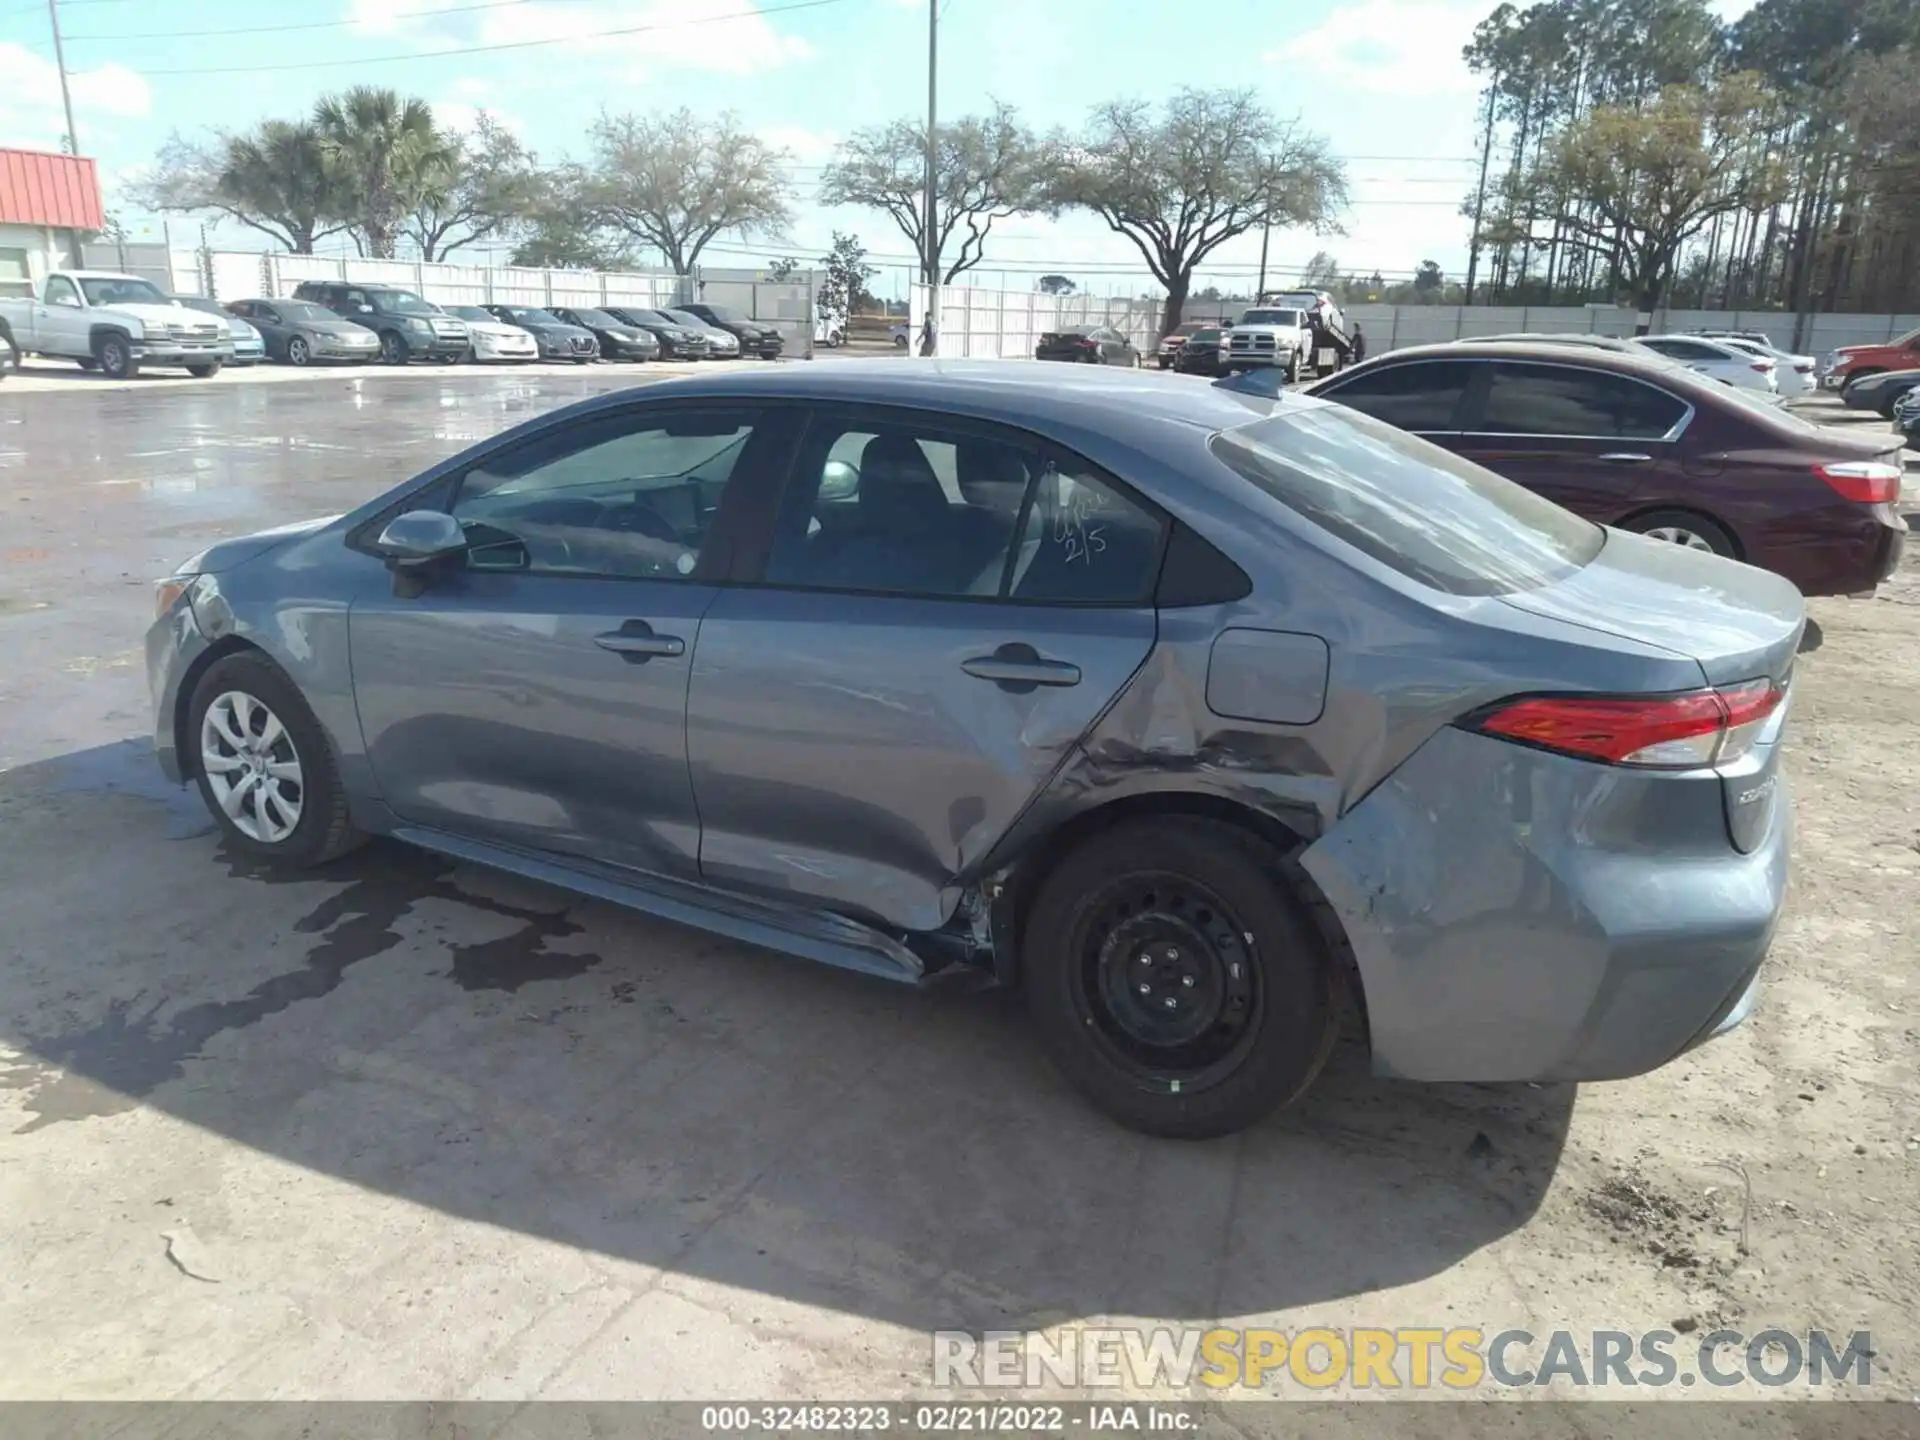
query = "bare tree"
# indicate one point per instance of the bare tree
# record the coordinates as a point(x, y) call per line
point(674, 182)
point(488, 184)
point(1210, 166)
point(277, 179)
point(986, 168)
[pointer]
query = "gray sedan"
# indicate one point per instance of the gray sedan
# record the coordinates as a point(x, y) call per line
point(303, 333)
point(1190, 713)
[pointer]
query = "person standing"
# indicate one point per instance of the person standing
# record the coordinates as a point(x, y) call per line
point(1359, 344)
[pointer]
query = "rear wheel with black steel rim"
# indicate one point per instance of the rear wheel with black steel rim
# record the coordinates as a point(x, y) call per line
point(1175, 980)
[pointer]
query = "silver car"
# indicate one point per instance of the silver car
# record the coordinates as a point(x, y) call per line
point(1188, 712)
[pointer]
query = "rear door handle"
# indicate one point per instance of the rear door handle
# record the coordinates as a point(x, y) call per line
point(1625, 457)
point(1018, 667)
point(635, 643)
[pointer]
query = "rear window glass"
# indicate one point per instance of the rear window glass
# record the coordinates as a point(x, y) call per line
point(1525, 399)
point(1423, 511)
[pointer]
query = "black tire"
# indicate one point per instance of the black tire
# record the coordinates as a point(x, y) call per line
point(323, 830)
point(1253, 965)
point(114, 353)
point(394, 349)
point(204, 372)
point(299, 353)
point(1709, 530)
point(1293, 368)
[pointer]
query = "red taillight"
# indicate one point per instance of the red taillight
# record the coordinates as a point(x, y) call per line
point(1804, 367)
point(1871, 482)
point(1089, 344)
point(1700, 727)
point(1763, 366)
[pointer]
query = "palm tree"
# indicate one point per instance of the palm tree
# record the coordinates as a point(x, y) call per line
point(386, 155)
point(278, 180)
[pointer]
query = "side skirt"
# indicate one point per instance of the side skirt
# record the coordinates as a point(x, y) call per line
point(811, 934)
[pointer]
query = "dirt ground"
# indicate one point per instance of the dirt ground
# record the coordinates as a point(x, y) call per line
point(406, 1129)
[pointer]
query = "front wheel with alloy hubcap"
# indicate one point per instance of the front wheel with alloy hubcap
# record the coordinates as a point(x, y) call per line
point(1175, 979)
point(297, 351)
point(264, 766)
point(1685, 529)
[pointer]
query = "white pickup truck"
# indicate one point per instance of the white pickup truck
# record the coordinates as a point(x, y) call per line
point(114, 324)
point(1301, 332)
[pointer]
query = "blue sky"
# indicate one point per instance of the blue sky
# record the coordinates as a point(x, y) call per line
point(1381, 79)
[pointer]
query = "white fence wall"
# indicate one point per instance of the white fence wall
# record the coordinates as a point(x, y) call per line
point(1005, 324)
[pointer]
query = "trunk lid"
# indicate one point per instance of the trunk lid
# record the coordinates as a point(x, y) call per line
point(1736, 622)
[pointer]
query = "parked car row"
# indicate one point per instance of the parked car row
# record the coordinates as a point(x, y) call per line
point(119, 323)
point(1627, 437)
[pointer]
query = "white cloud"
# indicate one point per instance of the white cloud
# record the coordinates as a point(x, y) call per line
point(806, 147)
point(728, 36)
point(30, 113)
point(463, 117)
point(1398, 47)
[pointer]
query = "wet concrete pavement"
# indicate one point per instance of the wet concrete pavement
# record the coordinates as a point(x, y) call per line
point(403, 1128)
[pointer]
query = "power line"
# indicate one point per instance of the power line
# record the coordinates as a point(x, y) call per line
point(302, 25)
point(416, 56)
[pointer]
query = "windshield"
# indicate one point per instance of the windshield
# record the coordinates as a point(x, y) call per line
point(1284, 318)
point(202, 304)
point(468, 312)
point(1418, 509)
point(1912, 337)
point(1205, 337)
point(599, 318)
point(303, 310)
point(727, 314)
point(523, 315)
point(647, 317)
point(123, 292)
point(401, 302)
point(685, 318)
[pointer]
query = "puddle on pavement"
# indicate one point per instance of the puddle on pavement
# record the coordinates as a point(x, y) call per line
point(108, 1067)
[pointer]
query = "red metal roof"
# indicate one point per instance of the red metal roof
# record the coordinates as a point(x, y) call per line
point(58, 190)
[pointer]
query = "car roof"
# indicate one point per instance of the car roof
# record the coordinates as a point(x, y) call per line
point(1015, 392)
point(100, 275)
point(1647, 363)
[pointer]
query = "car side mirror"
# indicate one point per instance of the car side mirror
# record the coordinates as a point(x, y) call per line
point(417, 543)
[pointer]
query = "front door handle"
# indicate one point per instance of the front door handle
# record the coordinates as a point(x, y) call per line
point(1017, 667)
point(636, 643)
point(1625, 457)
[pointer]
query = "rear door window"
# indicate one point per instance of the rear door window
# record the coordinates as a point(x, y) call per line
point(1421, 511)
point(1416, 395)
point(1575, 402)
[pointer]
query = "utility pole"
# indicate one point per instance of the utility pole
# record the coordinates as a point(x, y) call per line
point(1266, 233)
point(60, 63)
point(932, 246)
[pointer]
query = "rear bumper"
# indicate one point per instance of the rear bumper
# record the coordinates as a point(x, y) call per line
point(1839, 548)
point(1517, 915)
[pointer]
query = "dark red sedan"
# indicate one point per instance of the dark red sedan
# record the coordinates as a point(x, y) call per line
point(1648, 446)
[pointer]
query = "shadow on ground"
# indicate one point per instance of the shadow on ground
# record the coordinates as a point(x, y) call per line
point(508, 1054)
